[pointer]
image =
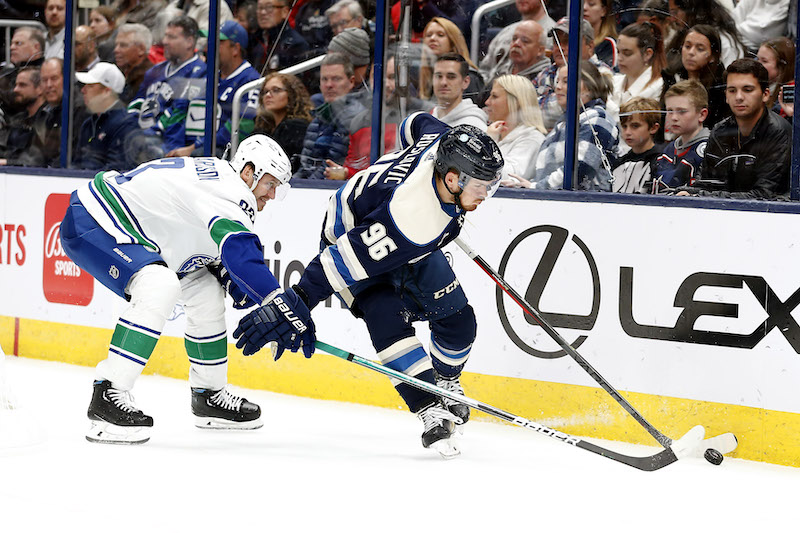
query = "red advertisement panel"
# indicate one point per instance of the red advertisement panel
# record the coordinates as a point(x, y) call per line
point(62, 280)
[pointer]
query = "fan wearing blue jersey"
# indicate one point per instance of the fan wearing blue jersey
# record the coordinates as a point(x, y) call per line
point(382, 240)
point(148, 235)
point(162, 103)
point(234, 71)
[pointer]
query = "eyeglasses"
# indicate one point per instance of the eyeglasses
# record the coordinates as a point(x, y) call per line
point(340, 24)
point(269, 8)
point(274, 90)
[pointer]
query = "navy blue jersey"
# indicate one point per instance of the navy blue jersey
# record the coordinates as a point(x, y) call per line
point(680, 164)
point(386, 216)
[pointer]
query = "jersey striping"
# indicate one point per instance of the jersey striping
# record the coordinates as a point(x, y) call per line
point(387, 215)
point(203, 197)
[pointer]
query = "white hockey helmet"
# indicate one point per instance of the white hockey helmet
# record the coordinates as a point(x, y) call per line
point(266, 156)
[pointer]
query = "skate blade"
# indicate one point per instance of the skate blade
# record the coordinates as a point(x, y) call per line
point(447, 448)
point(206, 422)
point(107, 433)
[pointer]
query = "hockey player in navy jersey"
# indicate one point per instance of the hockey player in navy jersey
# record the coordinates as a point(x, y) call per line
point(162, 103)
point(148, 235)
point(382, 237)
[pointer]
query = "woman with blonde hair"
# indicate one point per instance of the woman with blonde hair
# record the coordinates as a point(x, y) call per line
point(516, 125)
point(284, 113)
point(440, 37)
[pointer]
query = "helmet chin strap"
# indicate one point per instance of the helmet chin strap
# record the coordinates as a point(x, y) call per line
point(255, 179)
point(456, 195)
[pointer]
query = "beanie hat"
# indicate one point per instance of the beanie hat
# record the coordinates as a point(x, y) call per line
point(354, 43)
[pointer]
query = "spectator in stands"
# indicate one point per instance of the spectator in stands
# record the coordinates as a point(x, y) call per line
point(234, 72)
point(516, 126)
point(103, 21)
point(496, 60)
point(312, 23)
point(139, 12)
point(759, 20)
point(345, 14)
point(55, 16)
point(26, 50)
point(641, 60)
point(247, 17)
point(284, 113)
point(162, 103)
point(526, 54)
point(748, 154)
point(52, 76)
point(440, 37)
point(777, 56)
point(423, 11)
point(600, 15)
point(681, 160)
point(640, 120)
point(157, 29)
point(199, 11)
point(107, 139)
point(450, 80)
point(355, 44)
point(85, 50)
point(701, 61)
point(545, 82)
point(328, 135)
point(130, 55)
point(655, 12)
point(19, 143)
point(684, 14)
point(597, 136)
point(277, 45)
point(358, 153)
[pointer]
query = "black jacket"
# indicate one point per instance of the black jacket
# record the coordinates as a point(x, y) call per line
point(757, 166)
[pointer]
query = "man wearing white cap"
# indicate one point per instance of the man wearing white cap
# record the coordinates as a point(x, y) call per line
point(106, 138)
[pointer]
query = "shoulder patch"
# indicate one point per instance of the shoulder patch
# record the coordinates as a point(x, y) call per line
point(701, 149)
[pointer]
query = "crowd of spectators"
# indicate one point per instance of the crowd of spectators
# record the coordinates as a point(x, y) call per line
point(687, 97)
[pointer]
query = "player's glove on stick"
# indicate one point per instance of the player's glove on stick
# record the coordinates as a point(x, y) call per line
point(285, 320)
point(240, 298)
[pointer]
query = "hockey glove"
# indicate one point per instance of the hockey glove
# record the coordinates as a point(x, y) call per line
point(285, 320)
point(240, 298)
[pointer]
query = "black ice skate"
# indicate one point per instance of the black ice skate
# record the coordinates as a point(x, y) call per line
point(222, 410)
point(115, 419)
point(438, 429)
point(453, 384)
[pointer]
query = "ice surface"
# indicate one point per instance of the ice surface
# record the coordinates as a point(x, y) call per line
point(328, 466)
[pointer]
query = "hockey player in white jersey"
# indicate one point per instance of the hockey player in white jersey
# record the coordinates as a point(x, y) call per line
point(148, 235)
point(381, 253)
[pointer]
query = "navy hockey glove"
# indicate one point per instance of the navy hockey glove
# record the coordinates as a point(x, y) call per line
point(285, 320)
point(240, 298)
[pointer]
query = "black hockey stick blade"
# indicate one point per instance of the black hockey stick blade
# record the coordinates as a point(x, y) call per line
point(649, 463)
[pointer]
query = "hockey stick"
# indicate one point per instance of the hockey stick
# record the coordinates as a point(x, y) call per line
point(653, 462)
point(660, 437)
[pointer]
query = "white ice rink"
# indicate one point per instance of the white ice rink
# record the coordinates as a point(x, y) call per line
point(327, 466)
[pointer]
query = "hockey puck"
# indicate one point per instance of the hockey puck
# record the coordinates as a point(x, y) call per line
point(713, 456)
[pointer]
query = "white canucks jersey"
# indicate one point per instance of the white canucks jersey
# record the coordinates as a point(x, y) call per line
point(184, 209)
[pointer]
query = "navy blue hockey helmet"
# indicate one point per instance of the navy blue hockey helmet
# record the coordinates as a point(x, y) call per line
point(470, 152)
